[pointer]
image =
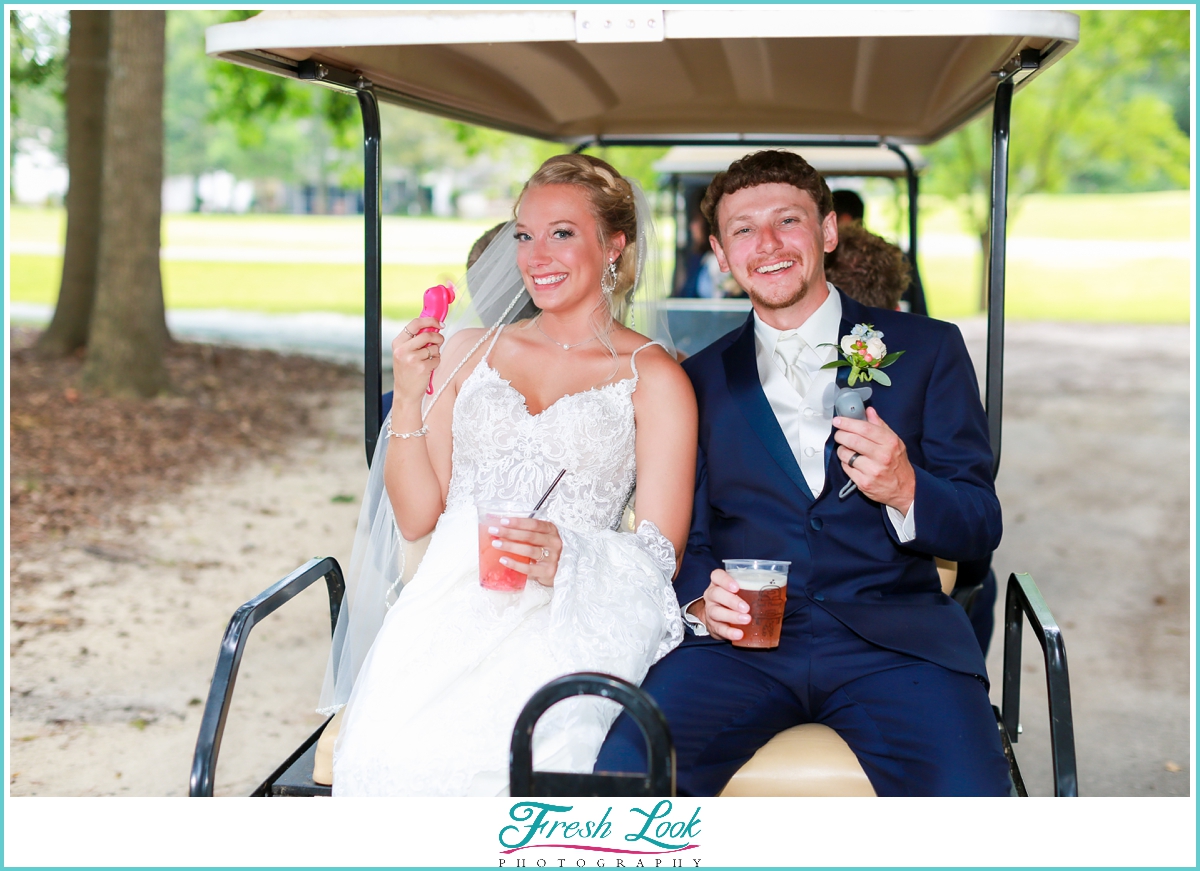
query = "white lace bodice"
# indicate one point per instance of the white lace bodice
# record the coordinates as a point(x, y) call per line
point(501, 451)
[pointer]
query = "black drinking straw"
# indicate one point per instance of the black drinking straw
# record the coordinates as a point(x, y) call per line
point(546, 495)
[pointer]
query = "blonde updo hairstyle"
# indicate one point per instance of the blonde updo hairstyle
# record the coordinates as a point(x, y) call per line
point(613, 207)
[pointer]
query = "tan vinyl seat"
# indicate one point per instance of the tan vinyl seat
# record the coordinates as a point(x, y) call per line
point(948, 572)
point(323, 760)
point(806, 760)
point(811, 760)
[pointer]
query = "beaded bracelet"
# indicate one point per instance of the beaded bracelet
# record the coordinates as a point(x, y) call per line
point(423, 431)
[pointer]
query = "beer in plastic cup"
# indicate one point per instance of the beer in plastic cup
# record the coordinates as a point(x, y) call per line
point(493, 575)
point(762, 584)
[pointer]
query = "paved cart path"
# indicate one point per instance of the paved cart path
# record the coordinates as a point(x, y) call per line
point(121, 637)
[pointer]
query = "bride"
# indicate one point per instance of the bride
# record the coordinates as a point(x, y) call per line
point(433, 684)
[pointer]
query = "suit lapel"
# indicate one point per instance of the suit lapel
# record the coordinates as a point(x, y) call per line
point(741, 375)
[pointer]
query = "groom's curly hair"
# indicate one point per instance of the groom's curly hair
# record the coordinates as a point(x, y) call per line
point(766, 167)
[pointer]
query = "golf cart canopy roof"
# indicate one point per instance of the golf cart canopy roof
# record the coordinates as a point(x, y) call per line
point(644, 73)
point(829, 160)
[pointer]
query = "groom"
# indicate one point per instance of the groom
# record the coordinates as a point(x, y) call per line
point(870, 646)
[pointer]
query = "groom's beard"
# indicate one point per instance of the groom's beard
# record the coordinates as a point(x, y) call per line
point(801, 292)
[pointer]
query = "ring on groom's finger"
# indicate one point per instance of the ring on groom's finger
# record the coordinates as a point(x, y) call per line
point(850, 462)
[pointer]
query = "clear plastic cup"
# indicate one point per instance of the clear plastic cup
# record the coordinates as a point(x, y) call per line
point(492, 574)
point(762, 584)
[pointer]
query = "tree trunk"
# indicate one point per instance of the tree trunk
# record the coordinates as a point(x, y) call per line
point(129, 328)
point(87, 72)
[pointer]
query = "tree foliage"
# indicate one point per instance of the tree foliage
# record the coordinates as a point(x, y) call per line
point(37, 53)
point(37, 42)
point(253, 101)
point(1104, 118)
point(254, 125)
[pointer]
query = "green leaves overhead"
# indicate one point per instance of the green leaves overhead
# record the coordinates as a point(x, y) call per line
point(1104, 117)
point(1112, 116)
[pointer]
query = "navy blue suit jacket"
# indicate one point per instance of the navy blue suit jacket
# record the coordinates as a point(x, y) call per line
point(752, 500)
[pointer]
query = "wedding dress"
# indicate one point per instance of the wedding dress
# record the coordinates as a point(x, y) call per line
point(433, 707)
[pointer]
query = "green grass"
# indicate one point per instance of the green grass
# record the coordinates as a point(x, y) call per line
point(27, 224)
point(1135, 291)
point(1158, 215)
point(265, 287)
point(1131, 291)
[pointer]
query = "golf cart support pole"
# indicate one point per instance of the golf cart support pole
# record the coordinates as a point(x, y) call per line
point(1001, 115)
point(372, 267)
point(354, 83)
point(918, 301)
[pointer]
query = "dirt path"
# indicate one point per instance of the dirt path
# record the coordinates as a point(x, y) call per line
point(1094, 481)
point(115, 648)
point(115, 633)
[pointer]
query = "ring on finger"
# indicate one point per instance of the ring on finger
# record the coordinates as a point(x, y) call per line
point(410, 335)
point(428, 353)
point(850, 462)
point(545, 554)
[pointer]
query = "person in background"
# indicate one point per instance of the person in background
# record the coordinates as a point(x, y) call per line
point(868, 268)
point(481, 244)
point(849, 208)
point(698, 234)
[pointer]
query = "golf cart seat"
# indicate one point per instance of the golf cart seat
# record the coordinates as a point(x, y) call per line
point(806, 760)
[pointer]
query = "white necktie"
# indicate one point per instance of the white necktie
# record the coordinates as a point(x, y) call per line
point(788, 350)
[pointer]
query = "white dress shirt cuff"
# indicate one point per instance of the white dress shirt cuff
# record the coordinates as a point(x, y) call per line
point(904, 524)
point(696, 624)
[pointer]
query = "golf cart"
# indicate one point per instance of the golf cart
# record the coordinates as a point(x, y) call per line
point(744, 77)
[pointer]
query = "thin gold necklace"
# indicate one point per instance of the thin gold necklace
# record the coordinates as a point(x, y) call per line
point(537, 322)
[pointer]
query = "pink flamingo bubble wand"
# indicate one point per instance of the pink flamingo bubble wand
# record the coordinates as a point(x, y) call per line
point(437, 305)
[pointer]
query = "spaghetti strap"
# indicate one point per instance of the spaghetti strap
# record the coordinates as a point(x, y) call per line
point(633, 356)
point(427, 406)
point(488, 352)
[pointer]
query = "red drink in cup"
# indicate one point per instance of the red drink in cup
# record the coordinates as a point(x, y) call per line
point(762, 584)
point(493, 575)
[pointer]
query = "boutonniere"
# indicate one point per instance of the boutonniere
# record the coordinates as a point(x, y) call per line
point(866, 354)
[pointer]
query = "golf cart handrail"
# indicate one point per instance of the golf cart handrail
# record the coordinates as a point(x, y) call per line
point(233, 645)
point(1024, 599)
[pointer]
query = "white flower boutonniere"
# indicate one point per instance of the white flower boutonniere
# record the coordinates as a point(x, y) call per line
point(866, 354)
